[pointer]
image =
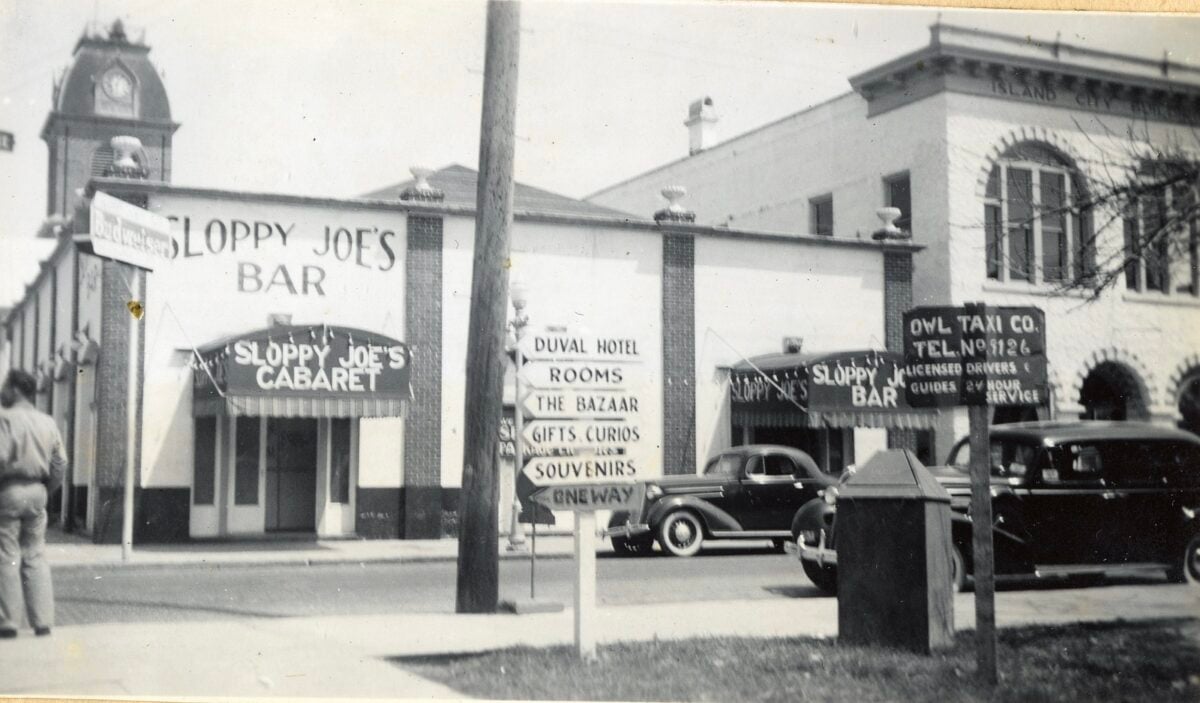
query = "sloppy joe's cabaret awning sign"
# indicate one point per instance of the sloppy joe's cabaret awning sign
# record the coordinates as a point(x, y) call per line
point(846, 389)
point(318, 363)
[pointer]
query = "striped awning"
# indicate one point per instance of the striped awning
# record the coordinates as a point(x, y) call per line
point(291, 406)
point(302, 371)
point(840, 390)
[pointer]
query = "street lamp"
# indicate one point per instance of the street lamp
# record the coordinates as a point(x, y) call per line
point(518, 294)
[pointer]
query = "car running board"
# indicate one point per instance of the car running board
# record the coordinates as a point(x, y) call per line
point(1073, 569)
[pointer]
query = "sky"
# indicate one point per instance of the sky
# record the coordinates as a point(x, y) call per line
point(316, 97)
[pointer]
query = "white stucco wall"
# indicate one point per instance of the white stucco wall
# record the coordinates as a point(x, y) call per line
point(199, 298)
point(750, 295)
point(1155, 335)
point(765, 178)
point(599, 279)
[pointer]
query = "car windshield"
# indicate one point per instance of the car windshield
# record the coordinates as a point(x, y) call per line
point(725, 465)
point(1009, 459)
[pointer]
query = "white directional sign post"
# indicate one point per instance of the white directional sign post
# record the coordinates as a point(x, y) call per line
point(128, 233)
point(586, 424)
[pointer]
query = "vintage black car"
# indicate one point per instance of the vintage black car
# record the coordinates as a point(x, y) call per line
point(1067, 498)
point(748, 492)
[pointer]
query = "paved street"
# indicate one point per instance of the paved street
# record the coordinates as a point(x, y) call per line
point(196, 592)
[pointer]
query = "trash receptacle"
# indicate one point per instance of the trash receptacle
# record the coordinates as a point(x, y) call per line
point(893, 556)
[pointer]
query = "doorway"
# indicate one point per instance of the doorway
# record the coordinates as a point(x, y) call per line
point(1110, 392)
point(291, 500)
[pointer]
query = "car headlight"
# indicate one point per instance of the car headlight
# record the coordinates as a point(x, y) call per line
point(831, 495)
point(653, 492)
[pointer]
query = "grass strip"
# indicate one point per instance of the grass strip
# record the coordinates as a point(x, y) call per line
point(1155, 660)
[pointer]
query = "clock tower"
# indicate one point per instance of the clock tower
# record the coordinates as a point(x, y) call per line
point(110, 90)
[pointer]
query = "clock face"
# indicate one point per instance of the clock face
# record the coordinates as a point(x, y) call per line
point(117, 85)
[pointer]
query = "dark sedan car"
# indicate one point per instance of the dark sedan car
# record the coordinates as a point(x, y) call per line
point(1067, 498)
point(748, 492)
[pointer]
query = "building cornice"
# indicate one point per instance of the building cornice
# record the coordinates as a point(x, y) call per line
point(132, 187)
point(102, 121)
point(1034, 73)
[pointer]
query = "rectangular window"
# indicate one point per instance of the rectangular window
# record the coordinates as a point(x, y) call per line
point(245, 485)
point(993, 229)
point(1054, 227)
point(204, 455)
point(1020, 224)
point(1155, 243)
point(339, 460)
point(1133, 250)
point(1085, 247)
point(899, 195)
point(1182, 246)
point(821, 215)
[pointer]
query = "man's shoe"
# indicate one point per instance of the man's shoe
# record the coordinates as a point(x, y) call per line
point(8, 633)
point(41, 631)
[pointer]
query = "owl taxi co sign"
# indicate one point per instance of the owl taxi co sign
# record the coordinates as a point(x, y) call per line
point(128, 233)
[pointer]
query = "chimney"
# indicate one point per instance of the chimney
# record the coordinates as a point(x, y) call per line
point(702, 125)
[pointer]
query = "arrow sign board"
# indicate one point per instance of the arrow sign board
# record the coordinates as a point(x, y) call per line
point(568, 346)
point(566, 403)
point(590, 497)
point(569, 470)
point(577, 434)
point(584, 374)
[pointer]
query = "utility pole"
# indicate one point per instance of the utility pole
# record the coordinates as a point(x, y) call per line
point(478, 540)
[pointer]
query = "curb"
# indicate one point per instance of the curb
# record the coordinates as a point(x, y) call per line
point(281, 561)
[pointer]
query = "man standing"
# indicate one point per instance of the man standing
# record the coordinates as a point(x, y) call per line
point(32, 464)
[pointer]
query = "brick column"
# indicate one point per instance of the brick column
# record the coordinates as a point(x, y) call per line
point(897, 299)
point(112, 393)
point(679, 354)
point(421, 495)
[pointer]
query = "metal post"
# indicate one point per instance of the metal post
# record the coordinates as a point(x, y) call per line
point(516, 533)
point(131, 415)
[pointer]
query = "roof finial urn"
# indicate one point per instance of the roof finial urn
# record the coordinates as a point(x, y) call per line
point(125, 163)
point(421, 189)
point(889, 231)
point(674, 211)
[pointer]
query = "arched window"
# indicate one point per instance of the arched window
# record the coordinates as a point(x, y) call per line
point(1036, 225)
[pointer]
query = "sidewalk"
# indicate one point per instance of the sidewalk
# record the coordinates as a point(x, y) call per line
point(349, 656)
point(67, 552)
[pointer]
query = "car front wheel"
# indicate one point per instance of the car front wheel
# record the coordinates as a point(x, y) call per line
point(681, 534)
point(1187, 568)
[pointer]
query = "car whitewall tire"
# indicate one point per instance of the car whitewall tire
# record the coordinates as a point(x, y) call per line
point(681, 533)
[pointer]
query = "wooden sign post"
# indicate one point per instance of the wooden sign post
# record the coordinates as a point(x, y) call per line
point(585, 424)
point(980, 357)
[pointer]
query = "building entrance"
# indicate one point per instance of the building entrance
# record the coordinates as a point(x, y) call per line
point(291, 495)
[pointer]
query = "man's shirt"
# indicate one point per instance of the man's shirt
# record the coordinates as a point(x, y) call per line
point(30, 446)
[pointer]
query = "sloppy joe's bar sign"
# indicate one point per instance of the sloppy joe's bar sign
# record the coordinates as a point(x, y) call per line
point(858, 381)
point(284, 256)
point(316, 361)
